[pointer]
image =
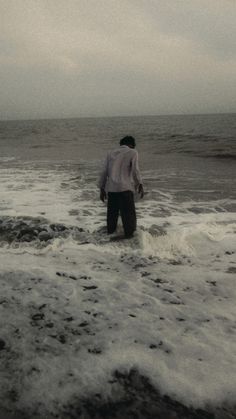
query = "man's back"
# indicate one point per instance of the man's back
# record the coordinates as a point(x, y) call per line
point(121, 171)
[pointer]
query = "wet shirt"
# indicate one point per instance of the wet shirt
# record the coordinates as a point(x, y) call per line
point(121, 170)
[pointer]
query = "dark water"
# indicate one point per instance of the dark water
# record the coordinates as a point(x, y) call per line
point(199, 135)
point(196, 153)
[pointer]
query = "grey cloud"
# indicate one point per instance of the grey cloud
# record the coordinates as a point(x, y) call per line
point(209, 24)
point(78, 58)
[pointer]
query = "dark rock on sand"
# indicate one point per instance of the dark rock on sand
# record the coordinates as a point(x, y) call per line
point(49, 325)
point(92, 287)
point(134, 397)
point(95, 351)
point(2, 344)
point(153, 346)
point(26, 234)
point(143, 274)
point(29, 229)
point(73, 277)
point(58, 227)
point(69, 319)
point(62, 339)
point(175, 262)
point(38, 316)
point(45, 236)
point(59, 274)
point(83, 324)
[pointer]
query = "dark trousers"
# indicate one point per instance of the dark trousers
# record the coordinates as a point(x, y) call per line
point(121, 203)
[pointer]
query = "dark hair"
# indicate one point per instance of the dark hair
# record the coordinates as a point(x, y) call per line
point(128, 140)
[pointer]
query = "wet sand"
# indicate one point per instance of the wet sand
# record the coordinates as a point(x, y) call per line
point(134, 398)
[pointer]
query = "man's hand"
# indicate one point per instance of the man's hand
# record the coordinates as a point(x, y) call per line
point(140, 190)
point(103, 195)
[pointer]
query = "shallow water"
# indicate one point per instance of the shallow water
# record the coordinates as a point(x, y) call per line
point(162, 303)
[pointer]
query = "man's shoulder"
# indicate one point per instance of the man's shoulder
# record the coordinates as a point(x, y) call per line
point(122, 151)
point(129, 150)
point(133, 152)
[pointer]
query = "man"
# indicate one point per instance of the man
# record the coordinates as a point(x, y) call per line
point(120, 177)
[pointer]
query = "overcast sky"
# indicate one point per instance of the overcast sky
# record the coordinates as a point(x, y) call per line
point(72, 58)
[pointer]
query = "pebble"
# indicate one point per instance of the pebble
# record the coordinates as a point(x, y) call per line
point(44, 236)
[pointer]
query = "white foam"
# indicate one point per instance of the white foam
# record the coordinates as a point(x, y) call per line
point(140, 297)
point(194, 363)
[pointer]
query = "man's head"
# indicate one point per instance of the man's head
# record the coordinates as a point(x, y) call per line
point(129, 141)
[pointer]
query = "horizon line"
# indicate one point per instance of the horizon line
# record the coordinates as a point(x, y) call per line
point(115, 116)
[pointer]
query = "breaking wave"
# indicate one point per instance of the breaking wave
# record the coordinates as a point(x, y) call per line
point(177, 243)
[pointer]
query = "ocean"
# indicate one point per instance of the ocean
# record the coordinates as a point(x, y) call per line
point(76, 309)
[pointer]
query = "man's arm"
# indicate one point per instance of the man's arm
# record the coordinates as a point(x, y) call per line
point(102, 180)
point(137, 175)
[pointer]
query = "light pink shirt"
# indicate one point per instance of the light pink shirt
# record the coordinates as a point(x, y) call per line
point(121, 170)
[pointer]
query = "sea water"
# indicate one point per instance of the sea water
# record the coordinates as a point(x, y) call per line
point(162, 302)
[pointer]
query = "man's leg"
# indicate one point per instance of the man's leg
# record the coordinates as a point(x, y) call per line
point(128, 213)
point(112, 211)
